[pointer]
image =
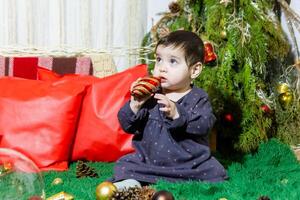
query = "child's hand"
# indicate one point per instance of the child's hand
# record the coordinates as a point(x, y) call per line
point(169, 108)
point(136, 103)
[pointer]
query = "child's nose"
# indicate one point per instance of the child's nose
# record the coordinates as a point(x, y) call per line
point(162, 68)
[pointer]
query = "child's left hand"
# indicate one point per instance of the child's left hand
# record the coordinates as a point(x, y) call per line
point(169, 108)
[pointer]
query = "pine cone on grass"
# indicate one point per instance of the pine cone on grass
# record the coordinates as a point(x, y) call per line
point(83, 170)
point(134, 193)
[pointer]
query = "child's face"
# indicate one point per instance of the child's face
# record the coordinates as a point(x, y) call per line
point(172, 68)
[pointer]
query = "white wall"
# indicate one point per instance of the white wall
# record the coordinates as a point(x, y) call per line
point(295, 5)
point(155, 7)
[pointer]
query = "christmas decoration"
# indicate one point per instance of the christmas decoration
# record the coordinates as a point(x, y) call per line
point(265, 108)
point(20, 178)
point(8, 166)
point(147, 193)
point(145, 87)
point(163, 195)
point(105, 190)
point(285, 99)
point(283, 88)
point(83, 170)
point(57, 181)
point(209, 54)
point(61, 196)
point(297, 67)
point(163, 31)
point(4, 171)
point(297, 64)
point(228, 117)
point(223, 34)
point(134, 193)
point(174, 7)
point(252, 51)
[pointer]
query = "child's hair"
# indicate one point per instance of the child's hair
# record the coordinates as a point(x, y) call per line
point(190, 42)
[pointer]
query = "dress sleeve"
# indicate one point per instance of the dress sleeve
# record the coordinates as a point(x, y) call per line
point(131, 122)
point(197, 120)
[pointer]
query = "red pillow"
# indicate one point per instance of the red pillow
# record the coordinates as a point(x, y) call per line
point(99, 136)
point(39, 119)
point(48, 75)
point(25, 67)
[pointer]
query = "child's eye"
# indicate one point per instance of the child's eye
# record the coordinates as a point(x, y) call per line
point(173, 61)
point(158, 59)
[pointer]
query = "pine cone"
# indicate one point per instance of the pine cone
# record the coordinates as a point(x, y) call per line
point(174, 7)
point(83, 170)
point(147, 193)
point(264, 198)
point(134, 193)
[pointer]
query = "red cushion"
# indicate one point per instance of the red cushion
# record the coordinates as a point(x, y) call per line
point(48, 75)
point(99, 136)
point(39, 119)
point(25, 67)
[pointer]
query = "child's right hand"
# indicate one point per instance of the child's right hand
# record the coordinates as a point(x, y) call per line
point(136, 103)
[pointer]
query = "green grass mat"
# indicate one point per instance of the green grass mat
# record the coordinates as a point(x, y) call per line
point(273, 171)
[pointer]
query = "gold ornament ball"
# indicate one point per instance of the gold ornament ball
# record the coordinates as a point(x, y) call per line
point(223, 34)
point(105, 190)
point(285, 99)
point(57, 181)
point(283, 88)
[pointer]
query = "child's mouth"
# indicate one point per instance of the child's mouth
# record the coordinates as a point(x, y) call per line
point(163, 79)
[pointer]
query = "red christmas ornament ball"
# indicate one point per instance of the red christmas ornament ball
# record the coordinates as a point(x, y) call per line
point(265, 108)
point(228, 117)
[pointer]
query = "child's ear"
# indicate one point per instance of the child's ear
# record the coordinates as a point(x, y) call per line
point(196, 70)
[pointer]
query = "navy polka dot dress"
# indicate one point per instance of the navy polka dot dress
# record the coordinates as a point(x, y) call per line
point(171, 150)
